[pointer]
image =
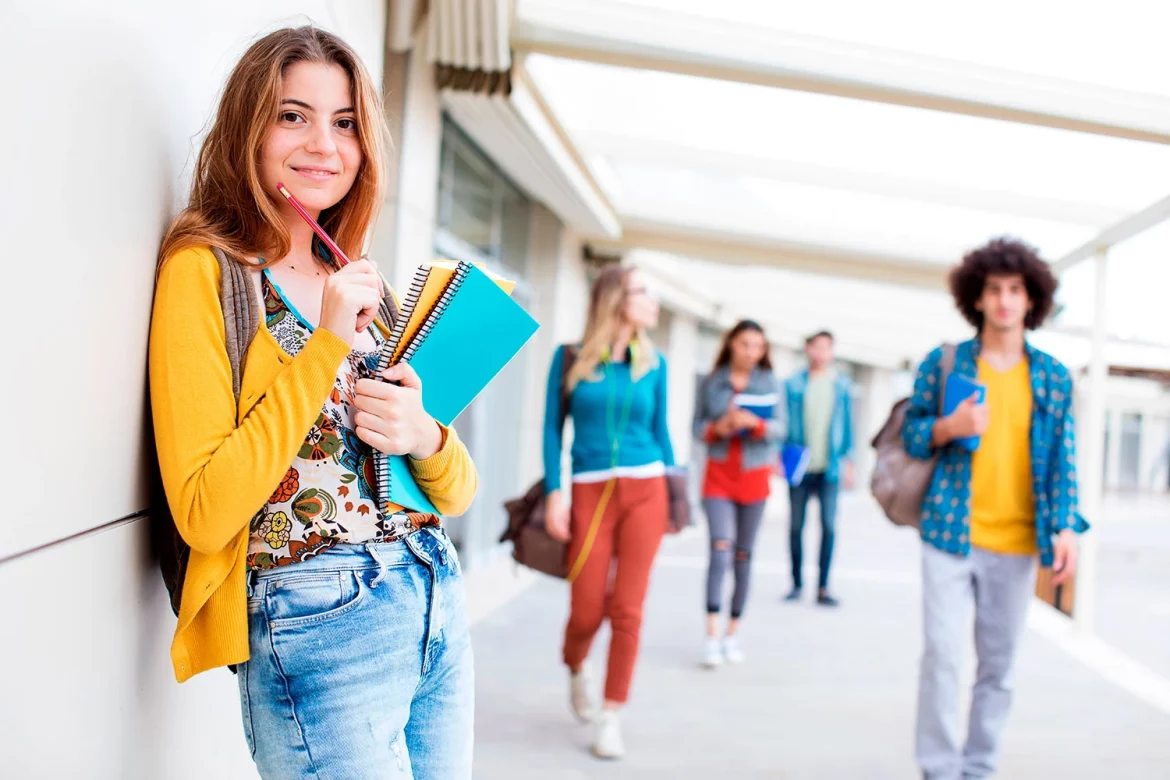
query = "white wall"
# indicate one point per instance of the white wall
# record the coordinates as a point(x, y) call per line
point(560, 290)
point(1151, 400)
point(405, 238)
point(876, 396)
point(107, 103)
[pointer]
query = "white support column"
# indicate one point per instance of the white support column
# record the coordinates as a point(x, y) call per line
point(877, 398)
point(405, 235)
point(1112, 421)
point(681, 352)
point(1092, 452)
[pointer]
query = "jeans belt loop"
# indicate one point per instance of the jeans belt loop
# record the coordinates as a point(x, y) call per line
point(372, 549)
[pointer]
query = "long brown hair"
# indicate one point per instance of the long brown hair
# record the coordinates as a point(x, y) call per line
point(228, 207)
point(724, 356)
point(605, 314)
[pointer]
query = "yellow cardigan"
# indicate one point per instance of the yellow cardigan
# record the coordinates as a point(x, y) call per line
point(220, 464)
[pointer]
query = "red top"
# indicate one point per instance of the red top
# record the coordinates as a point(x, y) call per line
point(727, 479)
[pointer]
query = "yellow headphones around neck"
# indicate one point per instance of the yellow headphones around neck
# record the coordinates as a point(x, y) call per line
point(606, 353)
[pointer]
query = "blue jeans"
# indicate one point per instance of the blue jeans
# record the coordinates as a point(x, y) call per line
point(361, 665)
point(826, 492)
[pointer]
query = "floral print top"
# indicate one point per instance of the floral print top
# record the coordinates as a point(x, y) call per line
point(328, 494)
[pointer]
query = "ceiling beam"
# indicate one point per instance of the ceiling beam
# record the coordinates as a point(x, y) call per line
point(1128, 228)
point(740, 249)
point(654, 151)
point(609, 33)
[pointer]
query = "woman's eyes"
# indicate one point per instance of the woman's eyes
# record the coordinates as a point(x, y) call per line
point(347, 124)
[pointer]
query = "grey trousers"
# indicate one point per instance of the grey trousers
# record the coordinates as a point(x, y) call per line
point(731, 523)
point(1000, 587)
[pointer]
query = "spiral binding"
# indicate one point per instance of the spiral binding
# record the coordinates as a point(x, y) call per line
point(424, 330)
point(390, 345)
point(385, 356)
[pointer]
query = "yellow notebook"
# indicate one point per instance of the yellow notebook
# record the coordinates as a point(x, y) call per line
point(425, 291)
point(448, 308)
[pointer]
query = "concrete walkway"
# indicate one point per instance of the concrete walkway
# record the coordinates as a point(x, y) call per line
point(825, 695)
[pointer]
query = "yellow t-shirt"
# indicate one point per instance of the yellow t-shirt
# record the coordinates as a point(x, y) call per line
point(1003, 508)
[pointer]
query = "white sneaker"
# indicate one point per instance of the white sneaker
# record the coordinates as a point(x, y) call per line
point(712, 653)
point(607, 742)
point(579, 695)
point(732, 652)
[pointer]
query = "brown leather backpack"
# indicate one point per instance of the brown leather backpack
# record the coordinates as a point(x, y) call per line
point(900, 481)
point(532, 545)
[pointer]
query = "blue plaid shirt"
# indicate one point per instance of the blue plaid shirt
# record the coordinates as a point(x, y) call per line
point(946, 512)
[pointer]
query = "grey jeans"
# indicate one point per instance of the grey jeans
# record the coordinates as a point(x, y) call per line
point(731, 522)
point(1000, 587)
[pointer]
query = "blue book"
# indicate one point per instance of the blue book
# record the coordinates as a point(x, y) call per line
point(794, 459)
point(470, 334)
point(959, 388)
point(762, 405)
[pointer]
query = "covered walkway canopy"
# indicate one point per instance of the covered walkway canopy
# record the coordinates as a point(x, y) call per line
point(822, 164)
point(872, 142)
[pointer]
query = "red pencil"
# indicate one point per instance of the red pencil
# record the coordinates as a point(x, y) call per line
point(320, 231)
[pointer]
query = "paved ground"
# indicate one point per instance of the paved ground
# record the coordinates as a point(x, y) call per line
point(824, 695)
point(1133, 600)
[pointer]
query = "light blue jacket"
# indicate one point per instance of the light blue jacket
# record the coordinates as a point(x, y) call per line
point(840, 427)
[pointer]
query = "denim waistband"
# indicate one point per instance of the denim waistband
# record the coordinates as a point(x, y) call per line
point(425, 546)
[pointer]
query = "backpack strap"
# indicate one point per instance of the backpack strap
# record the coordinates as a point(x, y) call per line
point(241, 313)
point(568, 358)
point(946, 367)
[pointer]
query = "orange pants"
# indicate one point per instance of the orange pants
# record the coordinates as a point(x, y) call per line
point(632, 527)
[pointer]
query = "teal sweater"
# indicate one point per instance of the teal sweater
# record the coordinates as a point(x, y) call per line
point(645, 439)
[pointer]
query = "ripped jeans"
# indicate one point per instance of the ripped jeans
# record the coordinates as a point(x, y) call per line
point(361, 665)
point(733, 535)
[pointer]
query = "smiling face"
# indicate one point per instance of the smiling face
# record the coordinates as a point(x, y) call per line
point(313, 146)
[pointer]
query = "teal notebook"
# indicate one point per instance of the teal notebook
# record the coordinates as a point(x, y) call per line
point(403, 490)
point(472, 332)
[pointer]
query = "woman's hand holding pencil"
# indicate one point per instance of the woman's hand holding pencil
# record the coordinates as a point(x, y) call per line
point(350, 300)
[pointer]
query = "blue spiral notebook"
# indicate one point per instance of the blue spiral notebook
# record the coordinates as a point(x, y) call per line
point(470, 340)
point(471, 332)
point(959, 388)
point(794, 459)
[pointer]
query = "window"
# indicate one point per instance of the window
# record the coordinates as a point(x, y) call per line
point(482, 216)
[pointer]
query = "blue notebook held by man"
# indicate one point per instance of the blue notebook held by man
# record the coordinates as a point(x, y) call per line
point(794, 459)
point(959, 388)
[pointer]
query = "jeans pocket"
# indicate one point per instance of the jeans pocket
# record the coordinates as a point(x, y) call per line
point(312, 597)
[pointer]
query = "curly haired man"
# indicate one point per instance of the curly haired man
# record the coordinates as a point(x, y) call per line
point(989, 513)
